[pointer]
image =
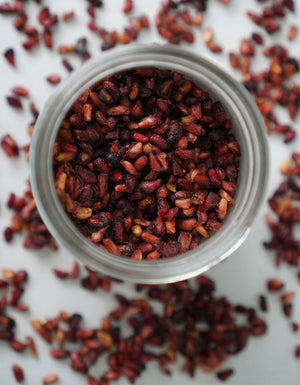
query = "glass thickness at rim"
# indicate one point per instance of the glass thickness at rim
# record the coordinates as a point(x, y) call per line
point(254, 168)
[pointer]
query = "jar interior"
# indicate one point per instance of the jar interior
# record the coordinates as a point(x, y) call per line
point(250, 189)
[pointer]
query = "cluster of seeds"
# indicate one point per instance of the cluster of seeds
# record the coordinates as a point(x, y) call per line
point(175, 332)
point(11, 290)
point(90, 282)
point(284, 204)
point(145, 163)
point(26, 217)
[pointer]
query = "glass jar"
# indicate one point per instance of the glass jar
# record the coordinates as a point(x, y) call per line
point(252, 181)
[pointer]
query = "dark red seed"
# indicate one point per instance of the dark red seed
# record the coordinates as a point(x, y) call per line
point(225, 374)
point(295, 326)
point(3, 283)
point(34, 110)
point(10, 56)
point(43, 14)
point(47, 36)
point(30, 43)
point(297, 351)
point(18, 372)
point(14, 102)
point(30, 31)
point(257, 38)
point(7, 8)
point(49, 21)
point(8, 234)
point(12, 149)
point(67, 65)
point(263, 303)
point(17, 345)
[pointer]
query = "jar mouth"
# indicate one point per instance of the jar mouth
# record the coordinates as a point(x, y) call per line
point(253, 173)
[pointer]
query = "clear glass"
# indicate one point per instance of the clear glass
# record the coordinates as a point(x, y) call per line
point(253, 175)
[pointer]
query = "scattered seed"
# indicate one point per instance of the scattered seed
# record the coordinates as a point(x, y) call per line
point(54, 79)
point(297, 351)
point(128, 5)
point(18, 372)
point(14, 102)
point(68, 15)
point(10, 147)
point(263, 303)
point(274, 285)
point(9, 54)
point(20, 91)
point(225, 374)
point(176, 332)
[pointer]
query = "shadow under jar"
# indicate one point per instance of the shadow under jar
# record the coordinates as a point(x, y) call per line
point(248, 130)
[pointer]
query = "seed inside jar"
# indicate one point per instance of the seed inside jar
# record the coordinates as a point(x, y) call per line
point(145, 164)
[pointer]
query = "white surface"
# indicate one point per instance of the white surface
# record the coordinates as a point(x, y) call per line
point(266, 360)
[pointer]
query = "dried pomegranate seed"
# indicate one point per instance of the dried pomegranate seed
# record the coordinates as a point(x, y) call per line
point(263, 303)
point(18, 372)
point(14, 102)
point(9, 54)
point(68, 15)
point(176, 332)
point(9, 146)
point(225, 374)
point(297, 351)
point(275, 285)
point(30, 43)
point(54, 79)
point(67, 65)
point(20, 91)
point(128, 4)
point(284, 206)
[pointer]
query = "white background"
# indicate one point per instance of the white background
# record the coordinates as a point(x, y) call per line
point(266, 360)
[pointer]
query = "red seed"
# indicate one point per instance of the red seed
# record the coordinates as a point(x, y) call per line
point(30, 43)
point(297, 351)
point(10, 56)
point(14, 102)
point(9, 146)
point(128, 5)
point(53, 79)
point(18, 372)
point(67, 65)
point(31, 346)
point(20, 91)
point(7, 8)
point(47, 36)
point(17, 345)
point(257, 38)
point(30, 31)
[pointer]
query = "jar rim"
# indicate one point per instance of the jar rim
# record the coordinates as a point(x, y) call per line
point(237, 225)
